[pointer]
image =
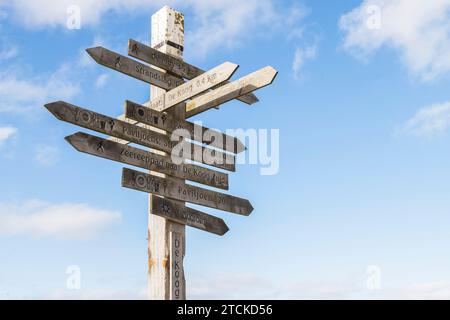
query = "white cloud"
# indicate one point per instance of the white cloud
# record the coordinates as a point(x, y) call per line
point(301, 56)
point(24, 95)
point(64, 220)
point(428, 122)
point(227, 23)
point(47, 155)
point(419, 31)
point(6, 133)
point(101, 80)
point(215, 24)
point(296, 14)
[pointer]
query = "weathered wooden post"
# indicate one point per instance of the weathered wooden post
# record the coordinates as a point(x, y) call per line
point(166, 239)
point(173, 99)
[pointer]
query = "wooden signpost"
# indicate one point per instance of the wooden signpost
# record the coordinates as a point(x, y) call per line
point(176, 189)
point(194, 87)
point(111, 150)
point(166, 122)
point(133, 68)
point(172, 158)
point(146, 137)
point(172, 65)
point(230, 91)
point(178, 212)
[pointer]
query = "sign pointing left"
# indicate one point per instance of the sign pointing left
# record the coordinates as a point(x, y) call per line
point(133, 68)
point(123, 130)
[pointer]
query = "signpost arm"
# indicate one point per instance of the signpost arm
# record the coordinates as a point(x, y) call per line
point(166, 239)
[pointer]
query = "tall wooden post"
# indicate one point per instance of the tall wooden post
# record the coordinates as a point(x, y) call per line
point(166, 239)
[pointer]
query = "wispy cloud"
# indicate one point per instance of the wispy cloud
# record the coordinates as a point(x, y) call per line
point(418, 30)
point(227, 23)
point(26, 95)
point(301, 56)
point(101, 80)
point(215, 24)
point(6, 133)
point(8, 53)
point(297, 32)
point(63, 220)
point(47, 155)
point(428, 122)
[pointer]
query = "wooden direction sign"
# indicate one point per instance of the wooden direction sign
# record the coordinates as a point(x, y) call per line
point(178, 212)
point(167, 122)
point(111, 150)
point(177, 189)
point(172, 65)
point(230, 91)
point(194, 87)
point(160, 125)
point(133, 68)
point(126, 131)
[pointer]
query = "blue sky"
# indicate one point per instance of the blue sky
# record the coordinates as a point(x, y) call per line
point(362, 104)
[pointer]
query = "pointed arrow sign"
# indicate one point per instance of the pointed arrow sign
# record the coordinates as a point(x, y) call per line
point(165, 121)
point(176, 189)
point(178, 212)
point(123, 130)
point(133, 68)
point(172, 64)
point(233, 90)
point(107, 149)
point(194, 87)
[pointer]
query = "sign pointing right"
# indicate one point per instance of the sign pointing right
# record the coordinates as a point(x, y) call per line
point(194, 87)
point(230, 91)
point(179, 190)
point(178, 212)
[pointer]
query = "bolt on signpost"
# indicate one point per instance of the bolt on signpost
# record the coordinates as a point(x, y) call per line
point(178, 91)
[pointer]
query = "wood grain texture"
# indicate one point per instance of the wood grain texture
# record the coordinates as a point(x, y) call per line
point(164, 121)
point(166, 279)
point(178, 212)
point(177, 189)
point(230, 91)
point(146, 137)
point(173, 65)
point(177, 252)
point(133, 68)
point(111, 150)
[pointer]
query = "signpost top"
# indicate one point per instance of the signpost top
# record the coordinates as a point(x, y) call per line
point(171, 42)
